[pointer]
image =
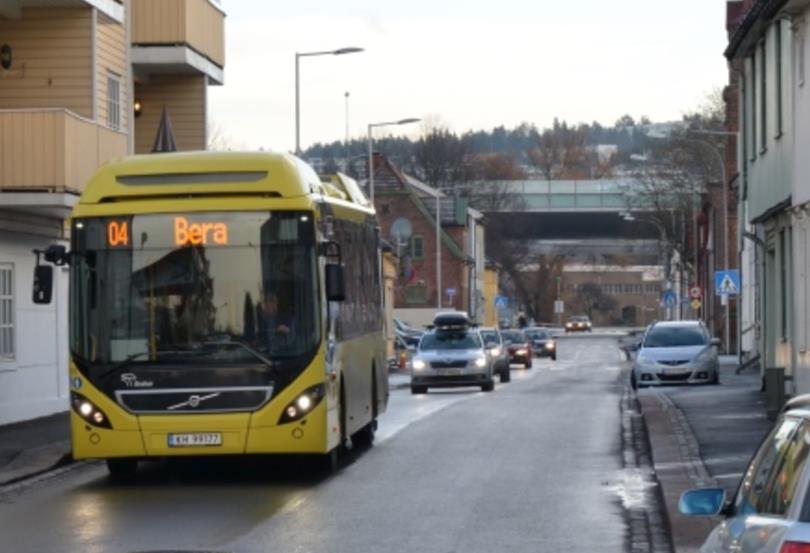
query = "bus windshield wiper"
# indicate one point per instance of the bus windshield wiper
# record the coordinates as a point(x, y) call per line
point(267, 362)
point(122, 365)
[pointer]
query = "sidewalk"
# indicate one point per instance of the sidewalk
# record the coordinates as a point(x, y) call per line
point(32, 447)
point(703, 436)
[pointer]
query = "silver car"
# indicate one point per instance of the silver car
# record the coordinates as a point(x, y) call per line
point(496, 350)
point(676, 352)
point(769, 512)
point(454, 357)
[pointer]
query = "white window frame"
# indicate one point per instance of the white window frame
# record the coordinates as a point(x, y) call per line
point(8, 350)
point(113, 101)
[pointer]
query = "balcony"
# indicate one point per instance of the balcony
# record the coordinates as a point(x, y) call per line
point(51, 150)
point(178, 36)
point(12, 9)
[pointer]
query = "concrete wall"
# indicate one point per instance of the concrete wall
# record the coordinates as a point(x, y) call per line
point(35, 382)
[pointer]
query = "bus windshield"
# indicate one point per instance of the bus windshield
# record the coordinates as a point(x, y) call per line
point(194, 288)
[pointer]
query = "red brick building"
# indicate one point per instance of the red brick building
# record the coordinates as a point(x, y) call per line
point(408, 206)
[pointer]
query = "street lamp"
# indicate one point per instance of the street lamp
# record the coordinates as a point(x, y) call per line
point(721, 162)
point(371, 126)
point(298, 56)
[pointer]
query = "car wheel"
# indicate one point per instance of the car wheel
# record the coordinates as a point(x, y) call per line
point(529, 364)
point(122, 470)
point(716, 379)
point(419, 389)
point(553, 356)
point(633, 382)
point(505, 375)
point(488, 387)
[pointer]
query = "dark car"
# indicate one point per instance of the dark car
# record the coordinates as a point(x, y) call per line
point(518, 346)
point(543, 343)
point(579, 323)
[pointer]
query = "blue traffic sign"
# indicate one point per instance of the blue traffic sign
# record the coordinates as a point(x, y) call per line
point(501, 301)
point(727, 283)
point(669, 298)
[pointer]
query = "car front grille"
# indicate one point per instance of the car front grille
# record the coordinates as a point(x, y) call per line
point(454, 364)
point(674, 363)
point(674, 377)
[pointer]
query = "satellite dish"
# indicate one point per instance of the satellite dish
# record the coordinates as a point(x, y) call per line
point(401, 230)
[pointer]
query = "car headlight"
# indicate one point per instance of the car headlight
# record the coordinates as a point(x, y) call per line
point(568, 325)
point(481, 362)
point(522, 352)
point(418, 365)
point(495, 352)
point(643, 362)
point(706, 357)
point(303, 404)
point(549, 345)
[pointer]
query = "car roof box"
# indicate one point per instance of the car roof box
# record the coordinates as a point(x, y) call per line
point(452, 320)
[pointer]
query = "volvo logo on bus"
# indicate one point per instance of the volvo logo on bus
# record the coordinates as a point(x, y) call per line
point(193, 401)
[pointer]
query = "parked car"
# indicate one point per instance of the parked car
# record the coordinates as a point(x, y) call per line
point(769, 511)
point(409, 335)
point(497, 353)
point(543, 343)
point(676, 352)
point(451, 354)
point(578, 323)
point(518, 347)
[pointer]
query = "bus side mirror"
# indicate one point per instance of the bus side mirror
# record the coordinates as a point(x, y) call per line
point(43, 284)
point(335, 282)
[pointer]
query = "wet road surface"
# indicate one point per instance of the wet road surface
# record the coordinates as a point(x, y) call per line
point(529, 467)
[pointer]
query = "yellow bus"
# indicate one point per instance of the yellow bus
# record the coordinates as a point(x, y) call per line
point(221, 304)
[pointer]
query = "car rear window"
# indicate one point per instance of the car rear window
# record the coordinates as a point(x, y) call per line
point(674, 336)
point(450, 340)
point(514, 336)
point(490, 336)
point(537, 334)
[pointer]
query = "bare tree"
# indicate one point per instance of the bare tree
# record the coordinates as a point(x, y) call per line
point(591, 297)
point(440, 155)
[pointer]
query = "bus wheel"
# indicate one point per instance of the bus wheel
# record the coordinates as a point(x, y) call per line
point(365, 436)
point(122, 470)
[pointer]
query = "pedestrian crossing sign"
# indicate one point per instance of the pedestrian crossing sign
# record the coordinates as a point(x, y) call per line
point(727, 283)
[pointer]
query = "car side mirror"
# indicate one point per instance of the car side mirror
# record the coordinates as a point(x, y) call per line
point(43, 284)
point(335, 282)
point(717, 342)
point(702, 502)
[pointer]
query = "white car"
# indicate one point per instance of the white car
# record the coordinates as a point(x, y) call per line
point(770, 513)
point(676, 352)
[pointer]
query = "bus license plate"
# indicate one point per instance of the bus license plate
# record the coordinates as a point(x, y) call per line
point(195, 439)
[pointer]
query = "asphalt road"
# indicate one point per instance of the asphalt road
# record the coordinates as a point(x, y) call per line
point(534, 466)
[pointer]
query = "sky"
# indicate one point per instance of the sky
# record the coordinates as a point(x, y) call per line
point(468, 64)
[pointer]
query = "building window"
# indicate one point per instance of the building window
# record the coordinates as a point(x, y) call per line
point(417, 247)
point(778, 81)
point(416, 294)
point(6, 312)
point(113, 101)
point(763, 95)
point(783, 282)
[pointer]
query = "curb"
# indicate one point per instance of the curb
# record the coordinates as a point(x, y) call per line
point(678, 467)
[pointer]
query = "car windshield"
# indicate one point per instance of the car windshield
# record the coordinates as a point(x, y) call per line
point(490, 336)
point(514, 336)
point(450, 341)
point(675, 336)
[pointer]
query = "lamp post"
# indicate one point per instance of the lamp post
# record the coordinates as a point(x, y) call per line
point(372, 126)
point(298, 56)
point(721, 162)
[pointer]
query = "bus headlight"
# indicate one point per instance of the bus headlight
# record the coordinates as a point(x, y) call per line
point(303, 404)
point(88, 411)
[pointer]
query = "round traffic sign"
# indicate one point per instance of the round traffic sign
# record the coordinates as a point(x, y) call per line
point(696, 292)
